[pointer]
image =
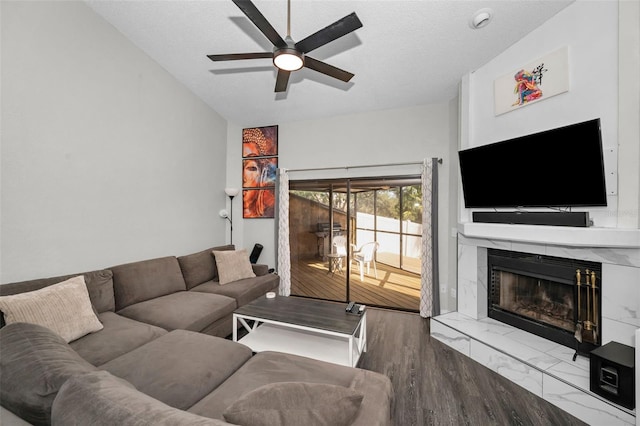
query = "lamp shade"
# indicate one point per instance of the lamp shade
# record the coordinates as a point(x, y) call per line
point(231, 192)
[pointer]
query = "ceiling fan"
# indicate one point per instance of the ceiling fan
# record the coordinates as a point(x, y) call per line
point(288, 55)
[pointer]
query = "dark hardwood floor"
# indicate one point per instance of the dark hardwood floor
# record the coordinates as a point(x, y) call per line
point(436, 385)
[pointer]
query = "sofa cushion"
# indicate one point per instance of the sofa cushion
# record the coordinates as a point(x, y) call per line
point(200, 267)
point(119, 336)
point(34, 363)
point(99, 284)
point(184, 310)
point(113, 401)
point(244, 291)
point(181, 367)
point(64, 308)
point(273, 367)
point(233, 265)
point(140, 281)
point(295, 403)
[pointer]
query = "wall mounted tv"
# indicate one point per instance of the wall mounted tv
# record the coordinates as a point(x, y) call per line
point(561, 167)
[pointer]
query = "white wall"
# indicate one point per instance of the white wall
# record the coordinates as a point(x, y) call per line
point(590, 30)
point(629, 114)
point(106, 158)
point(380, 137)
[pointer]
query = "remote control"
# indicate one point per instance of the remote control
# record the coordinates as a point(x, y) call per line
point(350, 306)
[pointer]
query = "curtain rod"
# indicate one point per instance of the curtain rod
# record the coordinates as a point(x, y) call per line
point(359, 167)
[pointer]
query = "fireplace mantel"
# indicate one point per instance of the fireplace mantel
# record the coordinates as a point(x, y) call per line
point(554, 235)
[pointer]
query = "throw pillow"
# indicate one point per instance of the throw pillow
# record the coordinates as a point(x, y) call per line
point(200, 267)
point(295, 403)
point(64, 308)
point(233, 265)
point(34, 363)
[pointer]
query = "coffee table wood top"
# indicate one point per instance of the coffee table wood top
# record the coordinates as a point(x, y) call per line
point(319, 314)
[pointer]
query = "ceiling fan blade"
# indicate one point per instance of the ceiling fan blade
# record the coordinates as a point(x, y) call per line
point(282, 80)
point(238, 56)
point(332, 32)
point(258, 19)
point(327, 69)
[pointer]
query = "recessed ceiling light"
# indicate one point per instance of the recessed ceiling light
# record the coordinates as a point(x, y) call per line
point(481, 19)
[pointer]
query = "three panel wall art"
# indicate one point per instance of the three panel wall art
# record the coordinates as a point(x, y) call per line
point(259, 166)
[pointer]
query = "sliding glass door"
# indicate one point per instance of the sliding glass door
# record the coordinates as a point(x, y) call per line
point(357, 239)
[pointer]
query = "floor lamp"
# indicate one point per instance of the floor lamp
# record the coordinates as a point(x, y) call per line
point(231, 192)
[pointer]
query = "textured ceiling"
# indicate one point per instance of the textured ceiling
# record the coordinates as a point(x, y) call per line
point(407, 52)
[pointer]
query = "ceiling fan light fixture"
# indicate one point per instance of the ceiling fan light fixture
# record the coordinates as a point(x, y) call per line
point(288, 59)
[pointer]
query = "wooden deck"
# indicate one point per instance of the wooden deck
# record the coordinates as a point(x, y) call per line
point(393, 288)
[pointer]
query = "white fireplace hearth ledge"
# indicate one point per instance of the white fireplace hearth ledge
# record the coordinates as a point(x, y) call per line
point(542, 367)
point(553, 235)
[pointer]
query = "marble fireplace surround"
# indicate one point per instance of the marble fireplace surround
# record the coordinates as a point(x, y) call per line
point(541, 366)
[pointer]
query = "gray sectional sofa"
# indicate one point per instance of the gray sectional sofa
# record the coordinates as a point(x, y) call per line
point(160, 358)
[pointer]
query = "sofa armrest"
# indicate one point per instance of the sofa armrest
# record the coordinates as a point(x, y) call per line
point(260, 270)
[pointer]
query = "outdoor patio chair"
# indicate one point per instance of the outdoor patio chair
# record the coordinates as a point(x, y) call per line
point(366, 255)
point(340, 245)
point(338, 252)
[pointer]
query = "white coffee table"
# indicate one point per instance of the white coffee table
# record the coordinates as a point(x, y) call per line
point(312, 328)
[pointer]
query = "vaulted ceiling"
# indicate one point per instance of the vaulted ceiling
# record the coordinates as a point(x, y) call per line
point(407, 52)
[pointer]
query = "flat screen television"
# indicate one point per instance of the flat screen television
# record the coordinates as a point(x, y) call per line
point(561, 167)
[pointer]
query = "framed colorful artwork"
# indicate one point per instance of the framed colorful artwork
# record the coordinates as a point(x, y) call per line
point(259, 166)
point(533, 82)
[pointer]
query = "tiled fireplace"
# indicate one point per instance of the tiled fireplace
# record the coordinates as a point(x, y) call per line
point(537, 362)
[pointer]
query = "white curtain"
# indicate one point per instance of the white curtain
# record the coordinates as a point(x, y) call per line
point(284, 259)
point(429, 292)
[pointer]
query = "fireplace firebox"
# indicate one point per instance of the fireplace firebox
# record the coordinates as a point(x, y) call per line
point(556, 298)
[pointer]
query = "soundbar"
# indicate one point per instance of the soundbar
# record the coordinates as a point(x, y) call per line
point(578, 219)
